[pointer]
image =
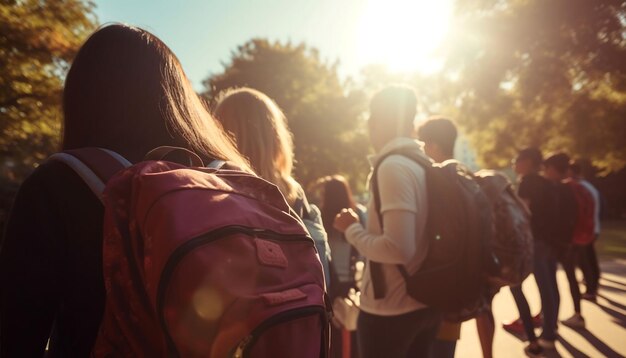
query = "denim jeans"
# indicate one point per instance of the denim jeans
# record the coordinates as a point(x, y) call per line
point(545, 275)
point(590, 268)
point(570, 260)
point(407, 335)
point(524, 312)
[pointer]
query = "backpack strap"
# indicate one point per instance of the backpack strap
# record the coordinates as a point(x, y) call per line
point(94, 165)
point(160, 153)
point(302, 207)
point(217, 164)
point(376, 269)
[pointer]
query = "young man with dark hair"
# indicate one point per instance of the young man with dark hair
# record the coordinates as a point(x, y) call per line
point(575, 225)
point(540, 197)
point(394, 325)
point(439, 136)
point(589, 259)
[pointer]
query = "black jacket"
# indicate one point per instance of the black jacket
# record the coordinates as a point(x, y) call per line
point(51, 281)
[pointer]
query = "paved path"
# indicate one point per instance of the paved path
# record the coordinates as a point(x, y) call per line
point(605, 335)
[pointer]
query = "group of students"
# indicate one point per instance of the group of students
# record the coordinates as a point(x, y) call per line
point(126, 92)
point(565, 223)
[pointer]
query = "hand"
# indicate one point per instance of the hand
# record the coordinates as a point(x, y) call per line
point(344, 219)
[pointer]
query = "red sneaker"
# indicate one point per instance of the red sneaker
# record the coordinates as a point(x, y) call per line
point(515, 327)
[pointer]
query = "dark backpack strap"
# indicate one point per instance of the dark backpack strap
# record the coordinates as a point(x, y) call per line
point(94, 165)
point(160, 153)
point(301, 206)
point(376, 269)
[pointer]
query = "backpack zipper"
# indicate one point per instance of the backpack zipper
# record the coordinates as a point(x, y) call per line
point(283, 316)
point(209, 237)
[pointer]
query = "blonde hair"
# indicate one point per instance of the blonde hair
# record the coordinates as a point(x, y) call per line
point(259, 129)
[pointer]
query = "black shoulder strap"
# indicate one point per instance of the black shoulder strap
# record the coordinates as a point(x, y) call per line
point(301, 206)
point(376, 270)
point(410, 154)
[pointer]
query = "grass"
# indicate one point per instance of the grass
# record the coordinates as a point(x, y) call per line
point(612, 241)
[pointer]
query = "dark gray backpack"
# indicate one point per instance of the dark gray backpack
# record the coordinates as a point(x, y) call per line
point(512, 241)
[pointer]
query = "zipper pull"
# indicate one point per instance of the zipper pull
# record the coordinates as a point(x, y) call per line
point(242, 346)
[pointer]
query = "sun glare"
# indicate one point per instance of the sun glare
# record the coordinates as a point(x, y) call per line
point(404, 34)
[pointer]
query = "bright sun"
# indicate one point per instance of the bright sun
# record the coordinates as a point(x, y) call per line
point(404, 34)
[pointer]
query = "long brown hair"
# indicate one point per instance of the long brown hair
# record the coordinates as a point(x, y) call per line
point(260, 130)
point(336, 196)
point(126, 91)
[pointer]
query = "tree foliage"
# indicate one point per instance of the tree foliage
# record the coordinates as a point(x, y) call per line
point(38, 39)
point(329, 134)
point(545, 73)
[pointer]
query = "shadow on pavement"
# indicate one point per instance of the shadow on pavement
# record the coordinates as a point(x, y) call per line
point(618, 317)
point(520, 336)
point(613, 302)
point(571, 349)
point(616, 282)
point(613, 288)
point(598, 344)
point(613, 266)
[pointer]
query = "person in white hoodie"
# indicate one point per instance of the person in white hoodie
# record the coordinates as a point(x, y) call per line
point(394, 325)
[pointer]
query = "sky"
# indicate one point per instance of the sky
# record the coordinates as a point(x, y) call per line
point(401, 34)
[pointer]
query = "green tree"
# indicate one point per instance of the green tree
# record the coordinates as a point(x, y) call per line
point(545, 73)
point(38, 39)
point(329, 133)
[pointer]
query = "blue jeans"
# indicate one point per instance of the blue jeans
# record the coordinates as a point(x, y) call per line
point(524, 312)
point(570, 260)
point(545, 275)
point(590, 267)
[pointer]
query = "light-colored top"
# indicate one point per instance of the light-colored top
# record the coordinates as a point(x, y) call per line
point(596, 203)
point(402, 187)
point(342, 251)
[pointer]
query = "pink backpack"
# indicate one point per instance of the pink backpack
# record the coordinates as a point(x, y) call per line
point(202, 262)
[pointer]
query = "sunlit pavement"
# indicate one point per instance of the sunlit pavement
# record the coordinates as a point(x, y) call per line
point(605, 335)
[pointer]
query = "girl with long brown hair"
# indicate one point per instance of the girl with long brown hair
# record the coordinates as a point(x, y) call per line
point(126, 92)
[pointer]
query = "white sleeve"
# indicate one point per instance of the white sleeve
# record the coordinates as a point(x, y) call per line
point(397, 245)
point(401, 196)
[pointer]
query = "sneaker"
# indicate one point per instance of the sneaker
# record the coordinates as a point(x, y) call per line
point(546, 343)
point(538, 320)
point(515, 327)
point(534, 351)
point(589, 297)
point(576, 321)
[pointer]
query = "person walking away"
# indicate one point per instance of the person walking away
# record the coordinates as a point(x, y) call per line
point(125, 92)
point(589, 258)
point(439, 136)
point(540, 197)
point(572, 195)
point(395, 325)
